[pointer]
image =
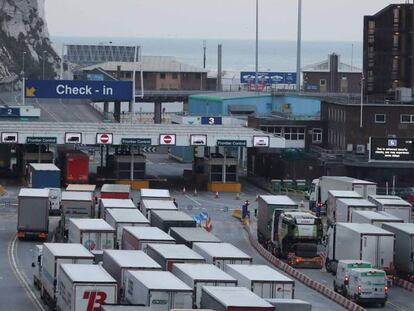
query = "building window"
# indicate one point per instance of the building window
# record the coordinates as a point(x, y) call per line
point(198, 75)
point(175, 76)
point(162, 76)
point(128, 75)
point(405, 118)
point(294, 133)
point(322, 82)
point(317, 136)
point(380, 118)
point(371, 24)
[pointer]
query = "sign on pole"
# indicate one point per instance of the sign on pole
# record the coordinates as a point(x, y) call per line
point(167, 139)
point(104, 139)
point(74, 89)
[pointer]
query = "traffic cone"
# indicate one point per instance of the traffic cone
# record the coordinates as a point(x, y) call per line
point(217, 195)
point(184, 190)
point(237, 196)
point(195, 192)
point(257, 198)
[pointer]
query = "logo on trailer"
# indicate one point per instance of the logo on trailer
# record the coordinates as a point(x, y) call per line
point(104, 139)
point(95, 300)
point(90, 245)
point(168, 139)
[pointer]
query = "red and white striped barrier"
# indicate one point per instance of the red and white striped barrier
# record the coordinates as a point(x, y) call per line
point(404, 284)
point(322, 289)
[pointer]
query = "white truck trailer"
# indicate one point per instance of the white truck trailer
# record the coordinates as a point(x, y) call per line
point(137, 238)
point(77, 204)
point(82, 286)
point(344, 208)
point(160, 290)
point(117, 262)
point(155, 194)
point(105, 204)
point(263, 281)
point(222, 254)
point(373, 218)
point(333, 197)
point(119, 218)
point(404, 248)
point(361, 242)
point(188, 236)
point(290, 304)
point(156, 205)
point(198, 275)
point(55, 254)
point(399, 208)
point(232, 299)
point(168, 254)
point(320, 188)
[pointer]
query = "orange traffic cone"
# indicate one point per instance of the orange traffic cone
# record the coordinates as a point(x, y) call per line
point(217, 195)
point(237, 196)
point(195, 192)
point(184, 190)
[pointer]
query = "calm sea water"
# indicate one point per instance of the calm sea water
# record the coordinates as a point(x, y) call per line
point(238, 55)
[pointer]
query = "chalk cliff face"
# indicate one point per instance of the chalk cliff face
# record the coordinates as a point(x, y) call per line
point(24, 35)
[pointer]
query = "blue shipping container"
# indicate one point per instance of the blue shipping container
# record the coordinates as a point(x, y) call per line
point(44, 175)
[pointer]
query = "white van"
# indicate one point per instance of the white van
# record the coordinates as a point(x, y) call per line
point(342, 272)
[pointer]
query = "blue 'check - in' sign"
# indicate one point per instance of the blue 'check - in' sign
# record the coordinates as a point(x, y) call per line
point(74, 89)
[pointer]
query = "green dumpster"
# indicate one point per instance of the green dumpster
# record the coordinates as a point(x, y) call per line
point(301, 185)
point(288, 184)
point(276, 185)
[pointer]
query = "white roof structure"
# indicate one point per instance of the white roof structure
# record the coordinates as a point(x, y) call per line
point(132, 259)
point(204, 272)
point(86, 224)
point(149, 233)
point(278, 200)
point(159, 205)
point(44, 167)
point(127, 215)
point(160, 280)
point(365, 228)
point(76, 187)
point(150, 64)
point(34, 192)
point(236, 297)
point(221, 250)
point(175, 251)
point(259, 273)
point(324, 67)
point(80, 273)
point(118, 203)
point(76, 196)
point(155, 193)
point(357, 202)
point(68, 250)
point(116, 188)
point(345, 194)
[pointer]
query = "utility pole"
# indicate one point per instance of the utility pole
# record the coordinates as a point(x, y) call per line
point(43, 65)
point(256, 77)
point(299, 47)
point(362, 101)
point(204, 53)
point(219, 68)
point(23, 80)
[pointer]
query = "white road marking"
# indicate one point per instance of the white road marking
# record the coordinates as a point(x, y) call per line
point(394, 306)
point(190, 198)
point(11, 252)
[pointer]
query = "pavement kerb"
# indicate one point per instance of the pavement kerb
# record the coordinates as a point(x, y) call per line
point(322, 289)
point(404, 284)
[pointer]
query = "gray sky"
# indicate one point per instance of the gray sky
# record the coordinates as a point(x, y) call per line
point(210, 19)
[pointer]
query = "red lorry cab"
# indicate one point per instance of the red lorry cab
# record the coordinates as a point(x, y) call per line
point(76, 168)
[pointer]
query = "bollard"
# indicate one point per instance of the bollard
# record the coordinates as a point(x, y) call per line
point(217, 195)
point(237, 196)
point(195, 192)
point(184, 190)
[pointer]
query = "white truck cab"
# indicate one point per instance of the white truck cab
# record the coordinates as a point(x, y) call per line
point(367, 285)
point(342, 272)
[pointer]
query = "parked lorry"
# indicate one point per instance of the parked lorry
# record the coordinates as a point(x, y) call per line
point(55, 198)
point(147, 206)
point(137, 238)
point(222, 254)
point(168, 254)
point(115, 191)
point(333, 197)
point(399, 208)
point(43, 175)
point(167, 219)
point(318, 193)
point(290, 304)
point(55, 254)
point(76, 204)
point(264, 281)
point(118, 262)
point(189, 236)
point(198, 275)
point(81, 286)
point(104, 204)
point(374, 218)
point(404, 248)
point(232, 299)
point(366, 285)
point(360, 242)
point(160, 290)
point(33, 213)
point(37, 266)
point(75, 167)
point(95, 234)
point(344, 208)
point(155, 194)
point(118, 218)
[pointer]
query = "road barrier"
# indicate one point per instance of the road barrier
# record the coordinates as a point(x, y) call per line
point(322, 289)
point(404, 284)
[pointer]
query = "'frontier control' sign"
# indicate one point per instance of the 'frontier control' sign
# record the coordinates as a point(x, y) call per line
point(392, 149)
point(75, 89)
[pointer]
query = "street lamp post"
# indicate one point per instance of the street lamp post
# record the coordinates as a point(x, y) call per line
point(43, 65)
point(256, 77)
point(299, 47)
point(23, 79)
